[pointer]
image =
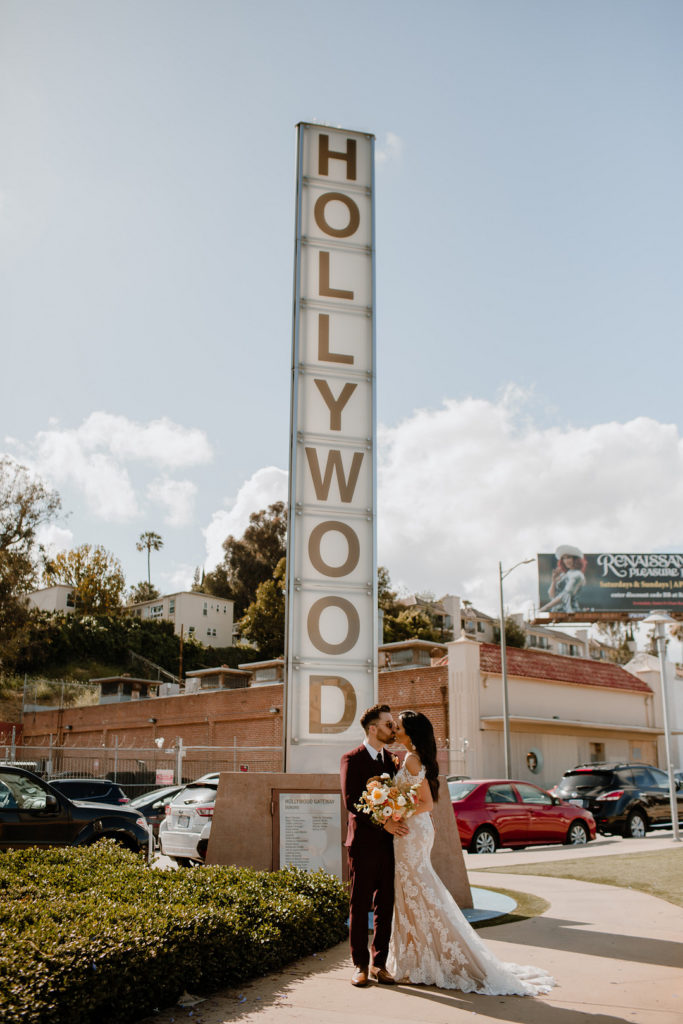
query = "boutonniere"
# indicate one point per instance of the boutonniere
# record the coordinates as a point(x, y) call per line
point(397, 763)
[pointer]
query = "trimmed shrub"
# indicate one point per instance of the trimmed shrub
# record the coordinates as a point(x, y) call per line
point(92, 935)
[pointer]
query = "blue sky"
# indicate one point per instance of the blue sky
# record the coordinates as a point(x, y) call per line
point(529, 225)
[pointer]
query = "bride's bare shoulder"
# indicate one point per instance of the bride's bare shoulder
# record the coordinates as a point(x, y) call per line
point(412, 764)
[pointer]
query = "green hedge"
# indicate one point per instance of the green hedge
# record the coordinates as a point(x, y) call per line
point(92, 936)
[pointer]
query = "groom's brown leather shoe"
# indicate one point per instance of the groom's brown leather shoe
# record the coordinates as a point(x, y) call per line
point(382, 976)
point(360, 977)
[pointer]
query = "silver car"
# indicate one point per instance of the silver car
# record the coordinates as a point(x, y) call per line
point(186, 815)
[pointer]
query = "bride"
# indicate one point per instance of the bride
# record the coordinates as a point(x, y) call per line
point(431, 941)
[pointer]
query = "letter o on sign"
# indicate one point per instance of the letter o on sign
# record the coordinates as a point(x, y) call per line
point(321, 219)
point(352, 619)
point(315, 540)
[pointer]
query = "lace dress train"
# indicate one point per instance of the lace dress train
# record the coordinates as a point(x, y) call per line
point(431, 942)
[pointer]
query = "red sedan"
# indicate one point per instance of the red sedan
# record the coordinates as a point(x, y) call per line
point(501, 812)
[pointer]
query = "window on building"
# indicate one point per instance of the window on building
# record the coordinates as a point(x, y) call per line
point(205, 609)
point(156, 611)
point(409, 656)
point(263, 675)
point(191, 630)
point(70, 600)
point(597, 752)
point(480, 627)
point(171, 605)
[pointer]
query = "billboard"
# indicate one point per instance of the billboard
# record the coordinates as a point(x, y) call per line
point(331, 636)
point(571, 582)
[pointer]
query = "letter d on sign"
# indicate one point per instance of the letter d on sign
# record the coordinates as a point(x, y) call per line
point(315, 722)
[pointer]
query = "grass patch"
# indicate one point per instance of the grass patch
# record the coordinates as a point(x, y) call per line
point(528, 906)
point(657, 872)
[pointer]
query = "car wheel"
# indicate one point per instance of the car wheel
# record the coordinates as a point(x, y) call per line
point(636, 825)
point(484, 840)
point(577, 835)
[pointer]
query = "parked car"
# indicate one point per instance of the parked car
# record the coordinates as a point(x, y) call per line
point(491, 813)
point(33, 813)
point(102, 791)
point(626, 799)
point(186, 815)
point(153, 805)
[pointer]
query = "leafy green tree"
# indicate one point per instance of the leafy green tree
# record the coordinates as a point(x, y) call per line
point(149, 541)
point(410, 624)
point(387, 599)
point(263, 623)
point(143, 591)
point(95, 575)
point(619, 641)
point(25, 505)
point(514, 634)
point(251, 559)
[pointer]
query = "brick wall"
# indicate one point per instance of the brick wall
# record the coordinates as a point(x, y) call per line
point(223, 717)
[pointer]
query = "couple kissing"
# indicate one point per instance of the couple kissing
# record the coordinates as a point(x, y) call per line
point(420, 935)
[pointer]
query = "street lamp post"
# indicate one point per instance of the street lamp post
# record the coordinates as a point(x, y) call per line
point(503, 665)
point(660, 620)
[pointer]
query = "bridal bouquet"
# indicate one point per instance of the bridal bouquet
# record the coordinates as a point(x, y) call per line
point(384, 798)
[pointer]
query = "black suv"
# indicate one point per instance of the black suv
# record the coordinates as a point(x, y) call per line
point(102, 791)
point(625, 799)
point(32, 813)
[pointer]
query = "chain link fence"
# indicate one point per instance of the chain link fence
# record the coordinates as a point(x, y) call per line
point(138, 769)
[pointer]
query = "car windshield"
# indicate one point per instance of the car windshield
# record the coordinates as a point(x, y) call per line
point(152, 796)
point(200, 794)
point(584, 780)
point(459, 790)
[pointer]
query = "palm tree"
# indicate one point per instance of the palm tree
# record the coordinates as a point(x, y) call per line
point(149, 541)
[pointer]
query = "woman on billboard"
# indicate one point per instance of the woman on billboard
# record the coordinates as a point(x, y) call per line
point(567, 580)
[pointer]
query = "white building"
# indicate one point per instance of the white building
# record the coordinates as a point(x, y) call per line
point(207, 618)
point(58, 598)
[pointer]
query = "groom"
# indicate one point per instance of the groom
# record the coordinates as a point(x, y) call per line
point(370, 849)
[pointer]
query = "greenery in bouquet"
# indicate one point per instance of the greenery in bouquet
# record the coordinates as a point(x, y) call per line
point(384, 798)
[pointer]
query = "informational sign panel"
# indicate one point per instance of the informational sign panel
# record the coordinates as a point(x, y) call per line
point(571, 582)
point(331, 560)
point(310, 831)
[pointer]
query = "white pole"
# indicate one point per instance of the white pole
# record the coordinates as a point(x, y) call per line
point(673, 799)
point(504, 674)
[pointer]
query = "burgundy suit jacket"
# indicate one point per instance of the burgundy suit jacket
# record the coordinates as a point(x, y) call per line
point(357, 766)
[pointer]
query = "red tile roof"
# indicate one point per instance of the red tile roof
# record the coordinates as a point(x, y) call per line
point(556, 667)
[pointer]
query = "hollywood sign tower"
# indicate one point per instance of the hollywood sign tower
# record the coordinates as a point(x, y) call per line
point(331, 635)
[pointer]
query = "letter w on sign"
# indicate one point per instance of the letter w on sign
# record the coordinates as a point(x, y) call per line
point(334, 466)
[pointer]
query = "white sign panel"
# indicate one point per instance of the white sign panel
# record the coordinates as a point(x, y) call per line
point(310, 831)
point(331, 561)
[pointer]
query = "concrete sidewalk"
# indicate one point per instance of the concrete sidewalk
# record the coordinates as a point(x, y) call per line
point(616, 954)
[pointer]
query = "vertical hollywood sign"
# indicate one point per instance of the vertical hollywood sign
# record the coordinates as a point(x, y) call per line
point(331, 562)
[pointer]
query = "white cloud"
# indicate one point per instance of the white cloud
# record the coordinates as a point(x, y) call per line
point(54, 538)
point(474, 482)
point(390, 150)
point(179, 578)
point(177, 495)
point(95, 458)
point(260, 490)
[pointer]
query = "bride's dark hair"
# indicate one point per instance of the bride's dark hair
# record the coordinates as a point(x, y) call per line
point(421, 734)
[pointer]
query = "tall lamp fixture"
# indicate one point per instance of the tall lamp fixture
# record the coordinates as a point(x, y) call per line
point(503, 664)
point(660, 620)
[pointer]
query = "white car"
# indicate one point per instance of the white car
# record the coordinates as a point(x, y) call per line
point(186, 817)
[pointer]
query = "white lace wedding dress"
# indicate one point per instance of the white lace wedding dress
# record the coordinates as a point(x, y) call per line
point(431, 941)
